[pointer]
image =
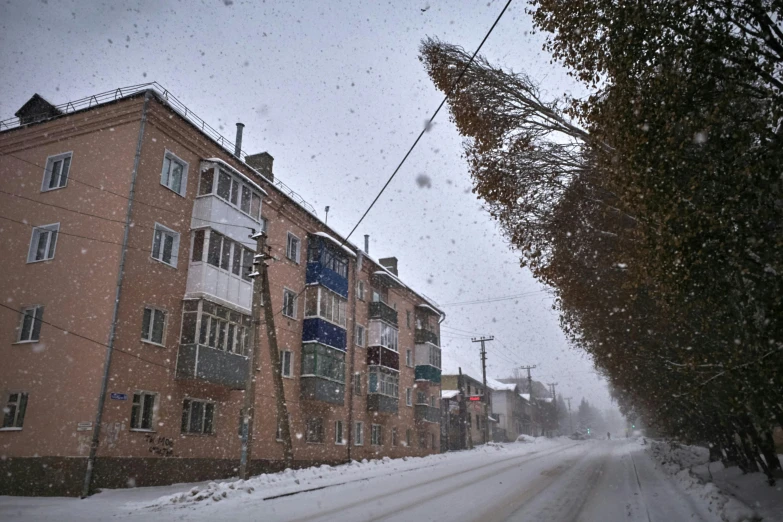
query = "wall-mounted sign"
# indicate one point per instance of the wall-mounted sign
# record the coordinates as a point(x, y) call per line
point(119, 397)
point(84, 426)
point(475, 398)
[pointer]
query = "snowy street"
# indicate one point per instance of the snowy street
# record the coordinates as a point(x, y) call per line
point(549, 480)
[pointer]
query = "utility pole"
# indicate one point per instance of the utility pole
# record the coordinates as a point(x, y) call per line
point(554, 403)
point(482, 340)
point(463, 410)
point(262, 299)
point(570, 422)
point(530, 392)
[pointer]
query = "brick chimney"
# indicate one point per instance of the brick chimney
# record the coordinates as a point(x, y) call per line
point(262, 162)
point(390, 264)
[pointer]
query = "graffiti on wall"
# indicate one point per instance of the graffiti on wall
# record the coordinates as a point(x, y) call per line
point(161, 446)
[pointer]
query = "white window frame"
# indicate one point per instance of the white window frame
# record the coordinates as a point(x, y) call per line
point(376, 435)
point(183, 183)
point(290, 354)
point(53, 231)
point(320, 434)
point(357, 383)
point(151, 326)
point(361, 340)
point(47, 177)
point(339, 433)
point(142, 394)
point(296, 255)
point(205, 402)
point(360, 290)
point(358, 431)
point(288, 296)
point(164, 230)
point(17, 423)
point(36, 312)
point(409, 397)
point(409, 358)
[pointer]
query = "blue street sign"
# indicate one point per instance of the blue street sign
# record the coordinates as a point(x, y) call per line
point(119, 397)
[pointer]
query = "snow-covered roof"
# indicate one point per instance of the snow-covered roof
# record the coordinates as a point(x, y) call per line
point(235, 171)
point(394, 278)
point(448, 394)
point(428, 307)
point(525, 396)
point(333, 240)
point(501, 386)
point(491, 418)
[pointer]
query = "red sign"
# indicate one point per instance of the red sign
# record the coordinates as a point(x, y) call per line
point(475, 398)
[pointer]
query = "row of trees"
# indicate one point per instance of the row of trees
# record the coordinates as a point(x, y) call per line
point(654, 207)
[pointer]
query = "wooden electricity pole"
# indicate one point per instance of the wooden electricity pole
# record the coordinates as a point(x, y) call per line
point(530, 392)
point(570, 422)
point(485, 399)
point(554, 403)
point(262, 299)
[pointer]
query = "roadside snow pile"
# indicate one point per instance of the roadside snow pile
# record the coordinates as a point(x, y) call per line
point(678, 459)
point(674, 457)
point(527, 438)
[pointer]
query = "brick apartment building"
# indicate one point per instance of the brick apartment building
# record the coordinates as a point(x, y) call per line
point(125, 222)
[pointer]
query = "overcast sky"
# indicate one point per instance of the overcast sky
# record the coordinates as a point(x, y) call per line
point(336, 93)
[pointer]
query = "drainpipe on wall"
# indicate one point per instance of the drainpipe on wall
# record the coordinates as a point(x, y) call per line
point(357, 265)
point(96, 430)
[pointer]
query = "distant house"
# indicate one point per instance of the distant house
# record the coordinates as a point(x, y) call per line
point(476, 403)
point(511, 412)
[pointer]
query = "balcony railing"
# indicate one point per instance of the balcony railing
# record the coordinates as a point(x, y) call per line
point(426, 372)
point(425, 336)
point(208, 364)
point(426, 413)
point(380, 310)
point(382, 403)
point(316, 388)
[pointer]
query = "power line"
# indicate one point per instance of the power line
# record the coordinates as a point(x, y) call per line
point(80, 336)
point(494, 299)
point(429, 123)
point(71, 178)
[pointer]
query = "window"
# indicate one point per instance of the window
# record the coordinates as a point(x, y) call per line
point(421, 398)
point(289, 303)
point(198, 417)
point(433, 355)
point(174, 174)
point(292, 248)
point(153, 325)
point(383, 334)
point(264, 225)
point(315, 430)
point(15, 407)
point(408, 318)
point(422, 440)
point(43, 243)
point(359, 335)
point(214, 326)
point(56, 171)
point(409, 437)
point(357, 383)
point(433, 402)
point(30, 328)
point(165, 245)
point(376, 435)
point(384, 382)
point(394, 436)
point(143, 410)
point(323, 303)
point(321, 361)
point(432, 440)
point(360, 290)
point(286, 362)
point(338, 432)
point(409, 396)
point(359, 431)
point(279, 432)
point(409, 358)
point(233, 190)
point(223, 253)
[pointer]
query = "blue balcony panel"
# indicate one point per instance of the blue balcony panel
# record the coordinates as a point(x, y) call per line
point(425, 372)
point(319, 330)
point(319, 274)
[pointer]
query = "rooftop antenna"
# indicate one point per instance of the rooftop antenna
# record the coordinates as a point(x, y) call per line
point(326, 219)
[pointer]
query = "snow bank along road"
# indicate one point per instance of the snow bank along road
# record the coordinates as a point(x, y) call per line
point(558, 480)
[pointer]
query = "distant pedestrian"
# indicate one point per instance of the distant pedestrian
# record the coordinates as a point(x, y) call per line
point(608, 435)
